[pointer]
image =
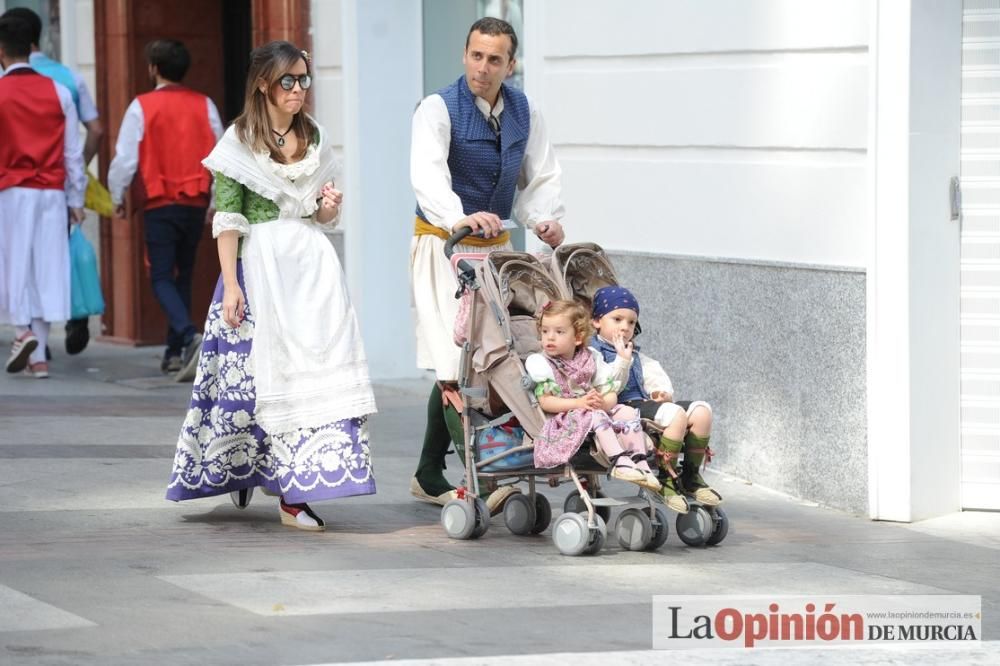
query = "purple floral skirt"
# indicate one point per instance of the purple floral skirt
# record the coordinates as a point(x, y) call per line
point(221, 448)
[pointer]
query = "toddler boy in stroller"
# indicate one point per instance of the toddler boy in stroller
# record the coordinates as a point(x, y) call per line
point(682, 426)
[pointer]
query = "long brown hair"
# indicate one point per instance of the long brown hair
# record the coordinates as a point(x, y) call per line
point(269, 63)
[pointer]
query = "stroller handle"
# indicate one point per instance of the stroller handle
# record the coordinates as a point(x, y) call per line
point(449, 249)
point(453, 240)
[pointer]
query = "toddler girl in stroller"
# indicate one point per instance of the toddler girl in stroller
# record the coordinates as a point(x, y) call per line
point(577, 391)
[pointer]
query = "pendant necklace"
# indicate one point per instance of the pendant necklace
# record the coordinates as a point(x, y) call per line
point(281, 136)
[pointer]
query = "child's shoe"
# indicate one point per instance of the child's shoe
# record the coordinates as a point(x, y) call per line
point(649, 480)
point(673, 499)
point(695, 451)
point(696, 487)
point(667, 453)
point(623, 469)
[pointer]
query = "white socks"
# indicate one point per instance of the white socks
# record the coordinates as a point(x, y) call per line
point(40, 328)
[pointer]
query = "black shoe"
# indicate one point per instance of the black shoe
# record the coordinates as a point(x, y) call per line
point(77, 335)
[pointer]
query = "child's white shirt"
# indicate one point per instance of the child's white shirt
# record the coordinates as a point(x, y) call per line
point(606, 375)
point(654, 377)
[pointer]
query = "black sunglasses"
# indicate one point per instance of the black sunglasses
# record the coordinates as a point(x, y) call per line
point(288, 81)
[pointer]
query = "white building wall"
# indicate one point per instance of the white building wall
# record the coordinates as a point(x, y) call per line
point(328, 68)
point(719, 150)
point(721, 128)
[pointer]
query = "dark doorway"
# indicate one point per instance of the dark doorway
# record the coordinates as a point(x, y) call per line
point(236, 46)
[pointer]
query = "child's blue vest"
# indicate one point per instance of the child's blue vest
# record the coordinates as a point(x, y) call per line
point(59, 73)
point(633, 388)
point(483, 177)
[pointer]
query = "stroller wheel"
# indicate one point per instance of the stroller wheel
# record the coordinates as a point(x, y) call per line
point(696, 526)
point(458, 517)
point(575, 504)
point(543, 514)
point(598, 536)
point(661, 527)
point(571, 534)
point(721, 528)
point(634, 529)
point(482, 519)
point(519, 514)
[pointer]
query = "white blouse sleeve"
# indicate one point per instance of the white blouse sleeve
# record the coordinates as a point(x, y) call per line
point(539, 369)
point(654, 377)
point(226, 221)
point(429, 172)
point(605, 379)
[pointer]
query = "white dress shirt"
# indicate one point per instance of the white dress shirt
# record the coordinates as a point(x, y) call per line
point(126, 159)
point(538, 197)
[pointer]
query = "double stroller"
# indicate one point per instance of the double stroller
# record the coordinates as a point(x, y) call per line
point(502, 294)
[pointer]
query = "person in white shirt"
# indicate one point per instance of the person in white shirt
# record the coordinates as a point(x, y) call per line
point(479, 155)
point(165, 135)
point(41, 173)
point(77, 330)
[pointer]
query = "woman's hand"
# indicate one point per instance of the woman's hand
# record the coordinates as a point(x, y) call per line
point(329, 204)
point(233, 305)
point(622, 348)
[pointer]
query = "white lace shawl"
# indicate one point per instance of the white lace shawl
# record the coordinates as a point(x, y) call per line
point(296, 199)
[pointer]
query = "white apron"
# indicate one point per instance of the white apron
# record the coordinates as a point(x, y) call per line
point(307, 355)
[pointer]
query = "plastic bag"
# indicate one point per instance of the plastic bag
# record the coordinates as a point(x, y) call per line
point(85, 283)
point(97, 198)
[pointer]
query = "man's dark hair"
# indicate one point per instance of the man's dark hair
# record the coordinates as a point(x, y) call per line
point(31, 18)
point(170, 57)
point(494, 27)
point(15, 37)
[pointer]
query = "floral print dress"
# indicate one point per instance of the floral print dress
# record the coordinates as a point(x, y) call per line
point(221, 447)
point(564, 433)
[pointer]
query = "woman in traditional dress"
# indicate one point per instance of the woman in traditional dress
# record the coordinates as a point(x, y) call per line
point(282, 394)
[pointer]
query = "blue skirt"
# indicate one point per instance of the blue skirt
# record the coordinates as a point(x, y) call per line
point(221, 447)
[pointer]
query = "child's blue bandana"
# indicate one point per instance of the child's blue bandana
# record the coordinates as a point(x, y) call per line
point(608, 299)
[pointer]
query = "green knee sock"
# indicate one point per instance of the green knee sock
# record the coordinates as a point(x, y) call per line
point(692, 461)
point(670, 446)
point(430, 469)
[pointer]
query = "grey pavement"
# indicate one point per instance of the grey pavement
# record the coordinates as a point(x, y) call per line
point(97, 568)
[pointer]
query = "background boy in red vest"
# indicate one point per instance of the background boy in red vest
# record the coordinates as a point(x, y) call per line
point(165, 134)
point(41, 172)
